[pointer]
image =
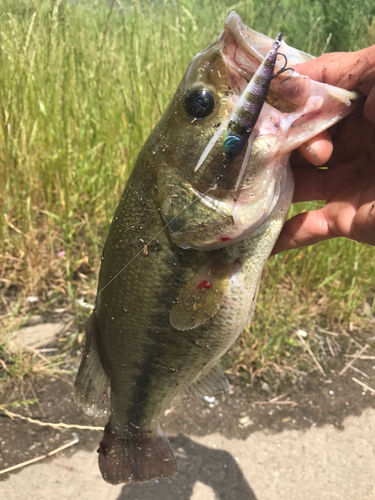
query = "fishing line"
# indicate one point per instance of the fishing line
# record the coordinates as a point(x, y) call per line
point(37, 352)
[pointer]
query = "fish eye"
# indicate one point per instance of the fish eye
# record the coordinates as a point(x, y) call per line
point(199, 102)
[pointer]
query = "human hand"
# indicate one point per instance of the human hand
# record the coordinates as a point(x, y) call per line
point(348, 184)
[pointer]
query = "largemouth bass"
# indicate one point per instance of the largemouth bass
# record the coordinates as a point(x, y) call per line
point(189, 239)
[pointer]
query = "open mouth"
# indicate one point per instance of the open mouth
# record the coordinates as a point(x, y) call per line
point(243, 50)
point(241, 66)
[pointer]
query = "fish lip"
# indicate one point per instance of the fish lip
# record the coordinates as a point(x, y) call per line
point(257, 45)
point(239, 48)
point(242, 35)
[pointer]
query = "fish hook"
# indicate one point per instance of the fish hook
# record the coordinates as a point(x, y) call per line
point(283, 69)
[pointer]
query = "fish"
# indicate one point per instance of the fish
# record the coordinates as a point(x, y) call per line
point(182, 262)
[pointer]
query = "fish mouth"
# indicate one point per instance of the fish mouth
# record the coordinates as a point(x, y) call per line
point(246, 48)
point(243, 51)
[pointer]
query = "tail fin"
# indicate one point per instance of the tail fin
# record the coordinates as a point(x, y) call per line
point(140, 458)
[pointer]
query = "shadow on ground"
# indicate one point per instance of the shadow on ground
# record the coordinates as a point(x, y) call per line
point(217, 469)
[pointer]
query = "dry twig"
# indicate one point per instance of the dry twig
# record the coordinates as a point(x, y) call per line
point(356, 356)
point(334, 334)
point(306, 346)
point(330, 347)
point(293, 403)
point(61, 425)
point(359, 357)
point(359, 371)
point(42, 457)
point(2, 363)
point(365, 386)
point(277, 398)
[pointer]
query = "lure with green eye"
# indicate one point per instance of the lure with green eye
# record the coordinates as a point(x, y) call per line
point(234, 143)
point(247, 110)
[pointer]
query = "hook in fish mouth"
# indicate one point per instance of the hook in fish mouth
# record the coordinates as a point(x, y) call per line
point(283, 69)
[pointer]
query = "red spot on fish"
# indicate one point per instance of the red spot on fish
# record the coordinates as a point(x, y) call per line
point(225, 238)
point(205, 284)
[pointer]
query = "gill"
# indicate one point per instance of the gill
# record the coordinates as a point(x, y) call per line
point(239, 127)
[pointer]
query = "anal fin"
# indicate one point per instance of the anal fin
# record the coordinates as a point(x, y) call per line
point(210, 384)
point(91, 388)
point(202, 297)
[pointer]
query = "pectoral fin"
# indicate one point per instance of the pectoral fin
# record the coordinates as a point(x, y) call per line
point(203, 295)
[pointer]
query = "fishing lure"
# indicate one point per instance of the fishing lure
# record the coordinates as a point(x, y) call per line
point(246, 112)
point(240, 125)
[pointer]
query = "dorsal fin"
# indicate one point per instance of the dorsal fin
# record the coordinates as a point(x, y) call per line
point(91, 388)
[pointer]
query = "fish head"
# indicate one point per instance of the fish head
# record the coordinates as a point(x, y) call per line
point(207, 202)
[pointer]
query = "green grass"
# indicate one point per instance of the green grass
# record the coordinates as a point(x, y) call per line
point(81, 87)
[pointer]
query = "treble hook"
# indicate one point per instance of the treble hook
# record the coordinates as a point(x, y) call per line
point(283, 69)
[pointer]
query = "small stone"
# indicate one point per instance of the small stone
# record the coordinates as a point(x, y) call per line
point(302, 333)
point(33, 336)
point(210, 399)
point(245, 421)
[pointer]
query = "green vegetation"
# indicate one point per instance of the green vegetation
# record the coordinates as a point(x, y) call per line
point(81, 86)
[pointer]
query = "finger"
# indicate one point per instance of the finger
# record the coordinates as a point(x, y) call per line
point(317, 150)
point(309, 184)
point(298, 160)
point(363, 225)
point(348, 70)
point(303, 230)
point(369, 109)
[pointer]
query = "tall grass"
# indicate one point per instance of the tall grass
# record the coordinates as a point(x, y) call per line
point(81, 86)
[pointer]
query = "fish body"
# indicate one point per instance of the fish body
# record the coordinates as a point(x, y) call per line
point(184, 254)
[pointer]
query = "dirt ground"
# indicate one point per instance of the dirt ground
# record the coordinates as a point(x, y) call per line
point(318, 441)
